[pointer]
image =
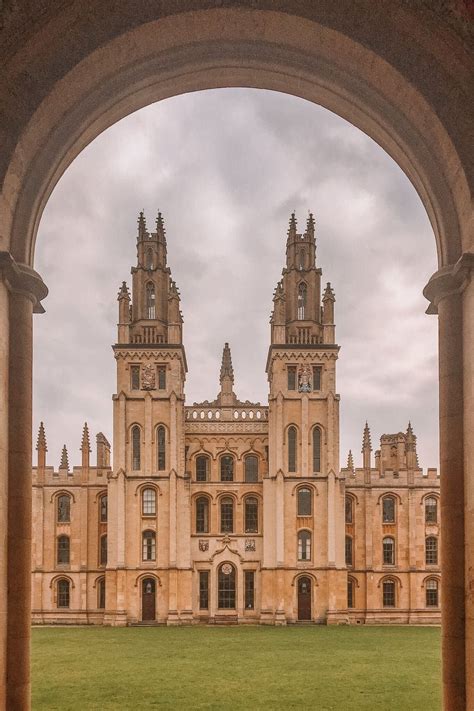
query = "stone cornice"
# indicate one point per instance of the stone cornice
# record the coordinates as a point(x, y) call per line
point(21, 279)
point(449, 280)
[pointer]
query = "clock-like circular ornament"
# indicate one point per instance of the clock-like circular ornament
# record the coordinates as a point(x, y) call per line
point(227, 569)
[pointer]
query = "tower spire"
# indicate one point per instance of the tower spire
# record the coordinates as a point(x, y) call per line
point(226, 395)
point(64, 459)
point(410, 448)
point(141, 226)
point(350, 461)
point(85, 446)
point(41, 446)
point(366, 446)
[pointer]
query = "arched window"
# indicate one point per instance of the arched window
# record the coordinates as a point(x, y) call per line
point(227, 515)
point(103, 550)
point(389, 593)
point(161, 448)
point(149, 258)
point(251, 514)
point(226, 587)
point(150, 300)
point(431, 550)
point(101, 593)
point(292, 449)
point(227, 468)
point(301, 301)
point(64, 508)
point(148, 545)
point(251, 468)
point(63, 552)
point(136, 443)
point(316, 450)
point(63, 593)
point(304, 501)
point(202, 468)
point(388, 545)
point(304, 545)
point(148, 502)
point(432, 593)
point(349, 501)
point(103, 508)
point(431, 510)
point(202, 515)
point(349, 551)
point(350, 593)
point(388, 509)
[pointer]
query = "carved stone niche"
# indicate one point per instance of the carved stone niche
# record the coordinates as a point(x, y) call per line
point(148, 377)
point(304, 379)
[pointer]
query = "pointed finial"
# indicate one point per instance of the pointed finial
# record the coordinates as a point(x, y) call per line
point(292, 224)
point(310, 224)
point(226, 366)
point(160, 225)
point(141, 225)
point(64, 459)
point(85, 443)
point(123, 292)
point(366, 443)
point(410, 439)
point(41, 441)
point(329, 293)
point(350, 461)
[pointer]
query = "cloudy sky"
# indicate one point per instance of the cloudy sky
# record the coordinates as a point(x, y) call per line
point(226, 168)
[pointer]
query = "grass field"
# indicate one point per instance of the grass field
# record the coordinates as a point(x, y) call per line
point(343, 668)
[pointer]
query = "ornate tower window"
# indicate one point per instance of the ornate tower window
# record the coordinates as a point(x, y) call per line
point(64, 508)
point(149, 502)
point(388, 546)
point(304, 501)
point(227, 515)
point(388, 509)
point(162, 377)
point(136, 444)
point(202, 467)
point(227, 468)
point(304, 545)
point(161, 448)
point(302, 291)
point(150, 300)
point(317, 377)
point(148, 545)
point(251, 514)
point(316, 450)
point(149, 258)
point(292, 449)
point(134, 377)
point(202, 515)
point(431, 510)
point(251, 468)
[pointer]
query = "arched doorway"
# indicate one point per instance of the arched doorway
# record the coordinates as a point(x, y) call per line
point(409, 94)
point(148, 599)
point(304, 598)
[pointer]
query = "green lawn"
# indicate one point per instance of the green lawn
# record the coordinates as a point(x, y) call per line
point(342, 668)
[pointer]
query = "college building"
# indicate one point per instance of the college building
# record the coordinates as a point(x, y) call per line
point(224, 511)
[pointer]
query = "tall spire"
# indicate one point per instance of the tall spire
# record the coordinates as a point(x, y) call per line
point(160, 225)
point(366, 446)
point(292, 226)
point(310, 225)
point(64, 459)
point(85, 446)
point(350, 461)
point(226, 366)
point(141, 226)
point(41, 446)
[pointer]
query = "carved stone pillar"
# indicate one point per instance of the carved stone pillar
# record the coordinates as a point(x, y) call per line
point(450, 294)
point(25, 291)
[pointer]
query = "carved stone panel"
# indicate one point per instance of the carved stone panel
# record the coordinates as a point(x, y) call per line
point(148, 377)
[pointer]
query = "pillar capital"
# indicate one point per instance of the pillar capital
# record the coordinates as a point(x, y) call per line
point(20, 278)
point(448, 280)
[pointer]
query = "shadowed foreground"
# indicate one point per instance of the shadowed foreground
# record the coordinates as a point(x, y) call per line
point(338, 668)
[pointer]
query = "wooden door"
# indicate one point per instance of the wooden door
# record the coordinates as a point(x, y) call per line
point(304, 598)
point(148, 599)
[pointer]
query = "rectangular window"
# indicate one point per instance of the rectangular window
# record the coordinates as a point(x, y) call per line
point(162, 377)
point(350, 593)
point(317, 377)
point(249, 589)
point(203, 590)
point(389, 594)
point(134, 377)
point(291, 372)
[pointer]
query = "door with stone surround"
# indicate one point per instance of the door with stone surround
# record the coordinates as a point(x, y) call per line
point(148, 599)
point(304, 598)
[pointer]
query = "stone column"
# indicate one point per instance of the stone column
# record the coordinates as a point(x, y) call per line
point(25, 290)
point(445, 291)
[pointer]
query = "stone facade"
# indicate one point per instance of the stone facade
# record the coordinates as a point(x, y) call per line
point(228, 511)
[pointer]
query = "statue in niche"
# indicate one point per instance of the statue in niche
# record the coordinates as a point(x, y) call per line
point(148, 377)
point(304, 379)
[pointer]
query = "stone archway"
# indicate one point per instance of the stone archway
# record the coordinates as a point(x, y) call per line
point(398, 70)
